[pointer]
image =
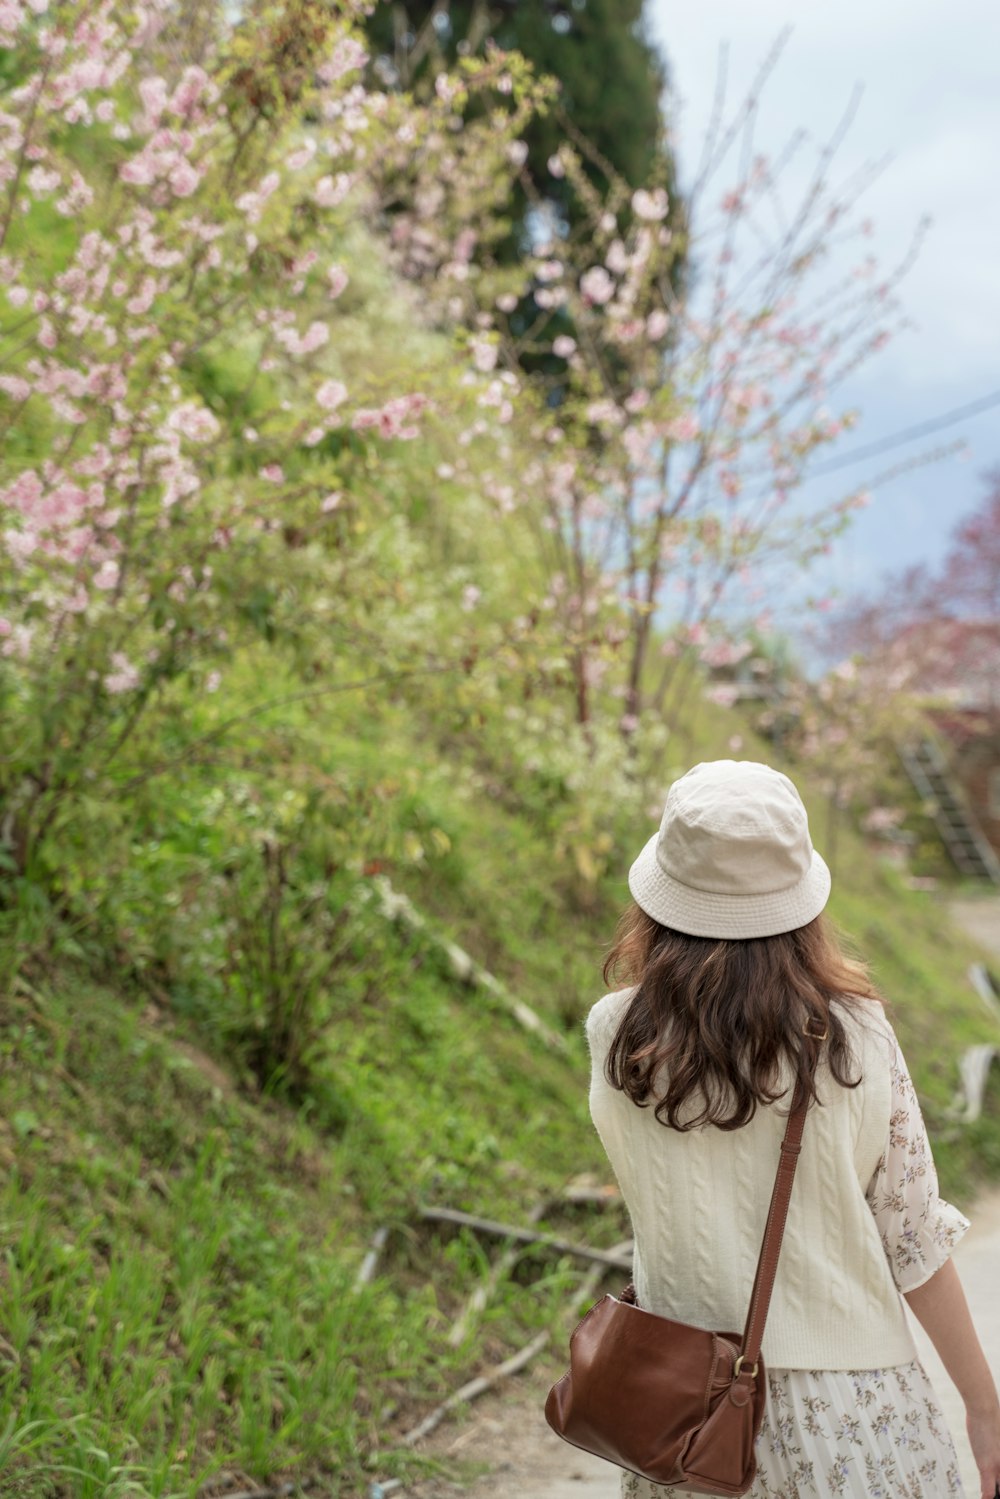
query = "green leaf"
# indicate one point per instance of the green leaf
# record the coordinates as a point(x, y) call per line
point(25, 1123)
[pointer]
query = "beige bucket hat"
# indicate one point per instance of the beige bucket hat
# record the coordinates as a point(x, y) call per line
point(733, 857)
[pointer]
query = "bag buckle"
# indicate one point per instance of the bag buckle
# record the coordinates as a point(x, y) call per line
point(739, 1365)
point(815, 1035)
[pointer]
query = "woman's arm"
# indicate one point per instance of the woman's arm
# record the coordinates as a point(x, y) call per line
point(940, 1307)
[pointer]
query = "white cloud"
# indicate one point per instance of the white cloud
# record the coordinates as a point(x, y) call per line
point(930, 101)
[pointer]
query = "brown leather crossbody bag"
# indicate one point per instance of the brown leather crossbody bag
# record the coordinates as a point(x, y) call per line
point(674, 1403)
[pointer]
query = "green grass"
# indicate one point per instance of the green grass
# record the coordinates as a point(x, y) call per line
point(179, 1260)
point(179, 1245)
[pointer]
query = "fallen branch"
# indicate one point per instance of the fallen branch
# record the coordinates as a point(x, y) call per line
point(597, 1197)
point(480, 1297)
point(369, 1264)
point(974, 1068)
point(210, 1488)
point(479, 1386)
point(400, 909)
point(285, 1488)
point(476, 1387)
point(982, 981)
point(590, 1283)
point(608, 1257)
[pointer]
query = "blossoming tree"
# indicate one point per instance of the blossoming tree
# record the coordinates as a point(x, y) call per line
point(174, 403)
point(676, 417)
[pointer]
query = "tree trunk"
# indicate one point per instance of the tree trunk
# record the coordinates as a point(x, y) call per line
point(582, 688)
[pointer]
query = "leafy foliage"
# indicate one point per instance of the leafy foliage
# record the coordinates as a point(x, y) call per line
point(303, 583)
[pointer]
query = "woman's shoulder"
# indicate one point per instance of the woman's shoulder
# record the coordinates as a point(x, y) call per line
point(604, 1017)
point(866, 1023)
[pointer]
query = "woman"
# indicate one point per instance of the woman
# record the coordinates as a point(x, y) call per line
point(737, 988)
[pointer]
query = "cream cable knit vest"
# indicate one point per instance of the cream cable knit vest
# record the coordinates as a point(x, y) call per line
point(698, 1202)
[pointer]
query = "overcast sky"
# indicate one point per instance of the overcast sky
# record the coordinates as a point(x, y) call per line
point(931, 103)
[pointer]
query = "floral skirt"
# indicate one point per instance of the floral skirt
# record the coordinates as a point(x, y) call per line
point(861, 1434)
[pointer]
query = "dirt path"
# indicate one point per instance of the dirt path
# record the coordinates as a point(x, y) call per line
point(979, 917)
point(978, 1261)
point(526, 1461)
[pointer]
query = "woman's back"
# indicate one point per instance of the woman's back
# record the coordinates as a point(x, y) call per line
point(698, 1201)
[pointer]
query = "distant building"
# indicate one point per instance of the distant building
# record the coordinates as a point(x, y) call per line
point(953, 666)
point(972, 738)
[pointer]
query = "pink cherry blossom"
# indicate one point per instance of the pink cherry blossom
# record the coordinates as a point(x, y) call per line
point(617, 259)
point(18, 643)
point(596, 286)
point(347, 56)
point(315, 336)
point(302, 156)
point(331, 394)
point(125, 677)
point(337, 279)
point(153, 93)
point(195, 87)
point(194, 421)
point(184, 179)
point(657, 324)
point(652, 206)
point(252, 203)
point(76, 602)
point(446, 87)
point(683, 428)
point(330, 191)
point(42, 181)
point(484, 354)
point(724, 694)
point(15, 387)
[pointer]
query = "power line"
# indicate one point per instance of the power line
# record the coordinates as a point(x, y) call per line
point(909, 434)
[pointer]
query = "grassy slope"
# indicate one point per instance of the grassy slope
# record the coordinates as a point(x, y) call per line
point(178, 1257)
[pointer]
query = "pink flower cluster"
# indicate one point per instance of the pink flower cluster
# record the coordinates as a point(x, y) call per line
point(164, 163)
point(63, 522)
point(396, 419)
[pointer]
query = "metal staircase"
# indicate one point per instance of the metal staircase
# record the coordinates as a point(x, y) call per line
point(928, 770)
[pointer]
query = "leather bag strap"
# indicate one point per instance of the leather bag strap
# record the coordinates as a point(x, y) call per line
point(767, 1264)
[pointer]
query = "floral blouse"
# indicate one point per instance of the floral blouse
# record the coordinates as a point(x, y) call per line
point(919, 1230)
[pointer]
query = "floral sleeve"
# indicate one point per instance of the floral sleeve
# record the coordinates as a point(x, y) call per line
point(918, 1229)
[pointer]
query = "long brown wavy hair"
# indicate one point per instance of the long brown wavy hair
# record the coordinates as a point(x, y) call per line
point(720, 1018)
